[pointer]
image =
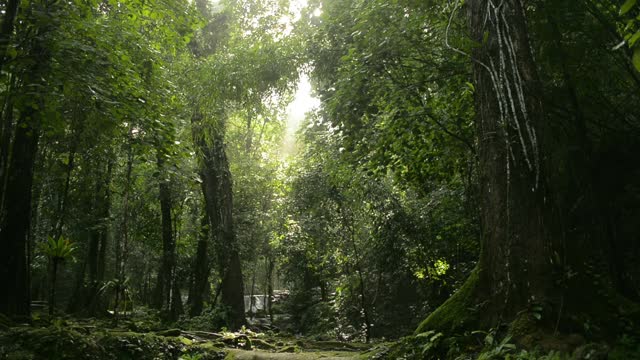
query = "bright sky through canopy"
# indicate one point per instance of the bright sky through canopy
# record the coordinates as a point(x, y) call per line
point(302, 103)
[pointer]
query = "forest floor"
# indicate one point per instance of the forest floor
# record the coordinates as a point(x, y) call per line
point(69, 338)
point(143, 336)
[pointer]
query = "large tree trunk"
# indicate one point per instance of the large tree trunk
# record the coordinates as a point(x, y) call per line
point(15, 211)
point(15, 225)
point(541, 254)
point(218, 194)
point(514, 269)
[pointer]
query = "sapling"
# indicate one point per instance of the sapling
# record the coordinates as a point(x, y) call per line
point(58, 251)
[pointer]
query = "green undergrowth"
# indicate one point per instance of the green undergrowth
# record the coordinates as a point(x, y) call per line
point(99, 339)
point(75, 341)
point(495, 345)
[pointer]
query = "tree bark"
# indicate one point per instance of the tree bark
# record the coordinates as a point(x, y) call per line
point(201, 269)
point(165, 273)
point(52, 289)
point(269, 298)
point(5, 137)
point(218, 195)
point(15, 226)
point(514, 269)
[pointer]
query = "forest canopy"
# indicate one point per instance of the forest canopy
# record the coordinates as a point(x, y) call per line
point(343, 178)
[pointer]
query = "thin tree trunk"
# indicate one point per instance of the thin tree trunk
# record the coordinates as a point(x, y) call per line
point(165, 273)
point(270, 269)
point(123, 239)
point(52, 290)
point(62, 202)
point(252, 300)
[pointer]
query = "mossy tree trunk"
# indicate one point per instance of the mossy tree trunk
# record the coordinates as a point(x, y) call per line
point(514, 269)
point(537, 258)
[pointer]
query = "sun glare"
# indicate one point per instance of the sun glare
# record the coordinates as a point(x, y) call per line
point(303, 102)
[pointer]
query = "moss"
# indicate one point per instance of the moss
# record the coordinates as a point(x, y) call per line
point(289, 349)
point(261, 344)
point(457, 312)
point(48, 343)
point(332, 345)
point(523, 325)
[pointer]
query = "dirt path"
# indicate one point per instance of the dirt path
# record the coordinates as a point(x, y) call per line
point(311, 355)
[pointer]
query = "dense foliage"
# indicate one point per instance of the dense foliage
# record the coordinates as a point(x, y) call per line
point(465, 168)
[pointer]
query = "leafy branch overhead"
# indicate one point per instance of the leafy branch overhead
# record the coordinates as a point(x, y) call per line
point(631, 30)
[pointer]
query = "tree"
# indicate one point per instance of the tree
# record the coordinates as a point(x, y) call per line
point(531, 266)
point(514, 270)
point(400, 100)
point(16, 195)
point(57, 251)
point(223, 87)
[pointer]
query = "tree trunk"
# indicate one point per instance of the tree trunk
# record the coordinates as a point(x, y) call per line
point(15, 225)
point(52, 290)
point(176, 308)
point(165, 273)
point(269, 298)
point(5, 137)
point(514, 269)
point(252, 300)
point(123, 238)
point(201, 269)
point(218, 194)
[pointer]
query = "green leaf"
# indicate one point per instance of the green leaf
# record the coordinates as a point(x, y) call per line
point(634, 38)
point(628, 5)
point(636, 58)
point(12, 52)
